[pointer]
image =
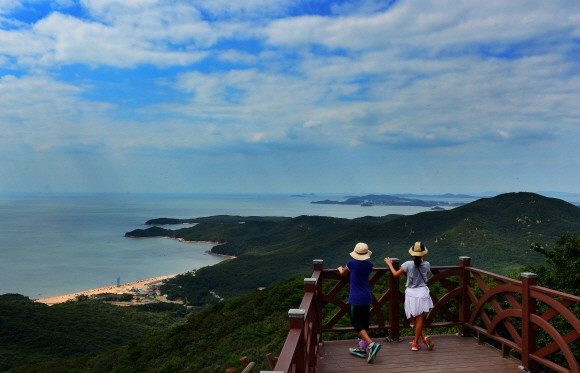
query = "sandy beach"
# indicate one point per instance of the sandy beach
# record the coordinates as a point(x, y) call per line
point(139, 284)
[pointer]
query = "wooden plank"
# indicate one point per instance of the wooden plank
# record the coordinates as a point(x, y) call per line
point(451, 354)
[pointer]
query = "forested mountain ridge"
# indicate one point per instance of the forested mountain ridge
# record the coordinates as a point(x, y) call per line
point(495, 232)
point(33, 332)
point(252, 325)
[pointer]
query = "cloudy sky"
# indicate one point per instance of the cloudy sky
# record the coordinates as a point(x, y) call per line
point(288, 96)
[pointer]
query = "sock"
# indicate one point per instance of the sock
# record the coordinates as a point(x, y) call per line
point(362, 344)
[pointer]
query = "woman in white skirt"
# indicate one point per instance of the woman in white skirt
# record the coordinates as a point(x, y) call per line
point(417, 299)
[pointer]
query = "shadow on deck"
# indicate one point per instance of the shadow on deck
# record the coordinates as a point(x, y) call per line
point(451, 354)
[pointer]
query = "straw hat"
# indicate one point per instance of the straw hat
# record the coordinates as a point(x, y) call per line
point(361, 251)
point(418, 249)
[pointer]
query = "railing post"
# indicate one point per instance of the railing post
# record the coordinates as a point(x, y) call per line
point(528, 332)
point(394, 304)
point(318, 266)
point(296, 319)
point(464, 309)
point(311, 332)
point(309, 285)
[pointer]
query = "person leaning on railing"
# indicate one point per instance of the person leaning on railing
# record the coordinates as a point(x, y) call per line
point(417, 299)
point(360, 300)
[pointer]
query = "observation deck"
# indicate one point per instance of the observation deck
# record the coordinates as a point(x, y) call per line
point(480, 322)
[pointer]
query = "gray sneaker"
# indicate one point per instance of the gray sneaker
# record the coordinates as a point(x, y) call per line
point(372, 350)
point(358, 352)
point(428, 342)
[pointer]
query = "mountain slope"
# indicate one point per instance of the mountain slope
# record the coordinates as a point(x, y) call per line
point(495, 232)
point(34, 332)
point(211, 341)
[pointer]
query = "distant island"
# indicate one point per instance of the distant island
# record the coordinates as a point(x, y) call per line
point(446, 195)
point(303, 195)
point(387, 200)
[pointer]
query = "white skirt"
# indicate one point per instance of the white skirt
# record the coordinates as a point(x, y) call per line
point(417, 301)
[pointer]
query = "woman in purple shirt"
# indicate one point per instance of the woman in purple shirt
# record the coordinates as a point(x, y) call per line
point(360, 299)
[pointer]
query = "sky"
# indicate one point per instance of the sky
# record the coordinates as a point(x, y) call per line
point(280, 96)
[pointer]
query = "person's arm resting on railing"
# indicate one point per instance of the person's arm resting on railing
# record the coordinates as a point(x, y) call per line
point(396, 273)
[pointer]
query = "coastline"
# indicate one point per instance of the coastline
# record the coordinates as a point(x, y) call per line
point(209, 252)
point(215, 243)
point(139, 284)
point(124, 287)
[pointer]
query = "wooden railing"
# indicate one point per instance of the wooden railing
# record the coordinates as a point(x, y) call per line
point(510, 312)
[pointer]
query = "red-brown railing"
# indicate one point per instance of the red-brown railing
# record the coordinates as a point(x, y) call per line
point(502, 309)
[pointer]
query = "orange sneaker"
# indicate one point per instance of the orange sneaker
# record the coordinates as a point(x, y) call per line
point(414, 347)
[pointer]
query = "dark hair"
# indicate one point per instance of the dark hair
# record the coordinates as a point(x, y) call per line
point(418, 260)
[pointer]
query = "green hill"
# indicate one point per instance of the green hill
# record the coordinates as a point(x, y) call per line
point(495, 232)
point(211, 341)
point(34, 332)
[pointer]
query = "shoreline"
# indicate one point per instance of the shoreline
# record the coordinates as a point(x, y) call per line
point(139, 284)
point(209, 252)
point(215, 243)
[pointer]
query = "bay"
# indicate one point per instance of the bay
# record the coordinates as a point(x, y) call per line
point(54, 244)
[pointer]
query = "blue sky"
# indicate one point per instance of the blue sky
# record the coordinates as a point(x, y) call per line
point(289, 96)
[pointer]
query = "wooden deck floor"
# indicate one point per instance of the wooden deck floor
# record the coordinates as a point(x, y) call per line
point(451, 354)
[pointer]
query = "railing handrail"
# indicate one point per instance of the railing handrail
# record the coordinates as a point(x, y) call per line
point(306, 325)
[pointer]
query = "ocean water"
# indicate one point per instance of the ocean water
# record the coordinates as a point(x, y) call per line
point(54, 244)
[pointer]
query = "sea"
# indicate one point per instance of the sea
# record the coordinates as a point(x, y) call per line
point(55, 244)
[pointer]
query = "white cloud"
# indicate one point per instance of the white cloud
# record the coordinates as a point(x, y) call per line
point(236, 56)
point(430, 26)
point(124, 34)
point(7, 6)
point(41, 113)
point(75, 41)
point(445, 77)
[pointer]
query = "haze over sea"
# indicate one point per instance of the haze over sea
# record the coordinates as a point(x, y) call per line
point(54, 244)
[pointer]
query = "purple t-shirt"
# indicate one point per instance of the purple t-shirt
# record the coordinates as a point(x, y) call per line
point(360, 290)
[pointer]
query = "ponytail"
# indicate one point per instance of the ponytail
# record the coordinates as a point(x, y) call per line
point(418, 260)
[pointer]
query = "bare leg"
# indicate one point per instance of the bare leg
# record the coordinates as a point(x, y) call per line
point(418, 322)
point(365, 336)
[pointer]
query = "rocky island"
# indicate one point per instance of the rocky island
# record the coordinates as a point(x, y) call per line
point(387, 200)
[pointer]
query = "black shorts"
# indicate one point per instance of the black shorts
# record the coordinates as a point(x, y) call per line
point(359, 317)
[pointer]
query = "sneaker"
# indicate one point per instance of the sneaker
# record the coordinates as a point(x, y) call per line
point(358, 352)
point(414, 347)
point(428, 342)
point(372, 350)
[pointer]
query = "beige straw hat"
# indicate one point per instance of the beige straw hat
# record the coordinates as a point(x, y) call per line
point(418, 249)
point(361, 251)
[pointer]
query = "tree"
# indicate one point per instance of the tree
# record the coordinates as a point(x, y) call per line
point(563, 271)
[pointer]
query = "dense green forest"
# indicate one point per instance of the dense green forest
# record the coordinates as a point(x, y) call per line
point(494, 232)
point(33, 332)
point(210, 341)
